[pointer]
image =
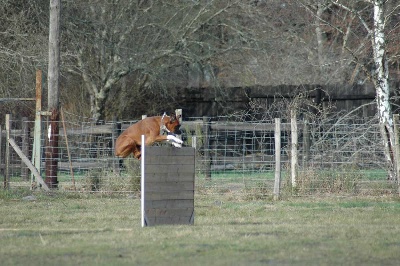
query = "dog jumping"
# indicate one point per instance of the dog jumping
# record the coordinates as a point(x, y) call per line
point(130, 141)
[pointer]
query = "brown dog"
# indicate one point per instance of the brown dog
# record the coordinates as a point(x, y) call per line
point(130, 140)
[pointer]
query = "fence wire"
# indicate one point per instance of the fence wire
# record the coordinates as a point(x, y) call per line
point(336, 156)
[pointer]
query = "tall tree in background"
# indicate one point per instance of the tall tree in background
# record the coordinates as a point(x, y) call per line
point(23, 49)
point(154, 40)
point(381, 81)
point(375, 16)
point(112, 48)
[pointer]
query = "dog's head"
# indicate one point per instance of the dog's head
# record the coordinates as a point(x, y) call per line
point(173, 124)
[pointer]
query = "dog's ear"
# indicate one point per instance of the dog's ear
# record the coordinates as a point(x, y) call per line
point(172, 118)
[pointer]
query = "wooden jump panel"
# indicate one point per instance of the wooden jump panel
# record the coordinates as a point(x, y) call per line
point(168, 179)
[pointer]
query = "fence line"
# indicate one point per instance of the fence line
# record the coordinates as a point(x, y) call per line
point(334, 156)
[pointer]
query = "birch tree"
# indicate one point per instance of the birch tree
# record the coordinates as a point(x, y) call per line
point(381, 82)
point(376, 29)
point(366, 29)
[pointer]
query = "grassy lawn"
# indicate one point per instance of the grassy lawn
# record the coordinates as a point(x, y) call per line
point(87, 229)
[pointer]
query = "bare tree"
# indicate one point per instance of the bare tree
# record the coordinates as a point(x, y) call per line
point(374, 18)
point(156, 41)
point(23, 48)
point(116, 47)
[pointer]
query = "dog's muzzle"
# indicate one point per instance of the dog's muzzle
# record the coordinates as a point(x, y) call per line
point(178, 130)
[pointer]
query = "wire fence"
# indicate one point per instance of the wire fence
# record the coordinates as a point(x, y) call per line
point(234, 155)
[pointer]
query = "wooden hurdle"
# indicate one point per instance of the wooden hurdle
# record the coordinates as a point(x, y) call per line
point(167, 185)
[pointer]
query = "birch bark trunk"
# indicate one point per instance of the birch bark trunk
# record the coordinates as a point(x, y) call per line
point(381, 82)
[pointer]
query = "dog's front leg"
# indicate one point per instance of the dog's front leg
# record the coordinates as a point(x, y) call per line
point(174, 141)
point(177, 145)
point(169, 138)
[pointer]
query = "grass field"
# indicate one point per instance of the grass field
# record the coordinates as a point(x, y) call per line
point(87, 229)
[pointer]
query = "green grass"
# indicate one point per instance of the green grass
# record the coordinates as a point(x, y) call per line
point(368, 174)
point(374, 174)
point(99, 229)
point(310, 181)
point(246, 174)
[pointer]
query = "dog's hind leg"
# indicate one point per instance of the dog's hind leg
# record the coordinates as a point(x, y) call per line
point(125, 148)
point(136, 150)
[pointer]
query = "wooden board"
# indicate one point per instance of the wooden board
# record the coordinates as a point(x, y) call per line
point(168, 193)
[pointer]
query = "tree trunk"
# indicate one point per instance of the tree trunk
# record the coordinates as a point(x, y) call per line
point(53, 94)
point(319, 33)
point(52, 150)
point(97, 107)
point(381, 82)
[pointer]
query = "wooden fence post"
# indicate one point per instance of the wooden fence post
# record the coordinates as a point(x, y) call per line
point(178, 113)
point(51, 152)
point(306, 142)
point(37, 133)
point(7, 155)
point(206, 146)
point(53, 94)
point(194, 142)
point(71, 170)
point(115, 132)
point(294, 140)
point(277, 185)
point(25, 147)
